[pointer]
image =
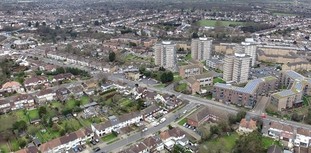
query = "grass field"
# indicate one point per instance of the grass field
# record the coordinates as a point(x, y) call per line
point(160, 85)
point(218, 80)
point(4, 148)
point(181, 87)
point(212, 23)
point(109, 137)
point(7, 122)
point(182, 121)
point(20, 114)
point(283, 14)
point(70, 104)
point(225, 144)
point(85, 100)
point(267, 142)
point(177, 78)
point(33, 114)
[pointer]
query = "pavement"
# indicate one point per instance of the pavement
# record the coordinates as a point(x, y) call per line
point(123, 143)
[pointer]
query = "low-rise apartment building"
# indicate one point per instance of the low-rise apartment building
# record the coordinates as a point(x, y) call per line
point(186, 71)
point(296, 87)
point(244, 96)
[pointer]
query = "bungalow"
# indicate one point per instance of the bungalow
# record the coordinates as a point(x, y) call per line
point(67, 142)
point(116, 123)
point(76, 91)
point(206, 114)
point(62, 94)
point(22, 101)
point(45, 96)
point(62, 77)
point(303, 137)
point(154, 144)
point(5, 106)
point(33, 82)
point(89, 87)
point(171, 137)
point(12, 86)
point(31, 149)
point(247, 125)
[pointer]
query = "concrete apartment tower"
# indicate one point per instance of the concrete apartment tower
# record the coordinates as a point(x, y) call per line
point(165, 54)
point(201, 48)
point(237, 66)
point(250, 49)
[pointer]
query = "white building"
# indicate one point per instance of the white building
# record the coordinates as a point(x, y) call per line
point(250, 49)
point(165, 54)
point(303, 137)
point(201, 48)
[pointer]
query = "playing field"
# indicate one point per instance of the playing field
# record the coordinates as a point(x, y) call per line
point(212, 23)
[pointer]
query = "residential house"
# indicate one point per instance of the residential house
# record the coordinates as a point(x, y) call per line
point(274, 149)
point(45, 95)
point(149, 111)
point(279, 131)
point(154, 144)
point(31, 149)
point(186, 71)
point(193, 84)
point(89, 87)
point(76, 91)
point(132, 76)
point(12, 86)
point(171, 137)
point(303, 137)
point(247, 125)
point(48, 68)
point(67, 142)
point(205, 114)
point(136, 148)
point(35, 82)
point(5, 106)
point(205, 79)
point(106, 87)
point(22, 101)
point(62, 94)
point(62, 77)
point(115, 123)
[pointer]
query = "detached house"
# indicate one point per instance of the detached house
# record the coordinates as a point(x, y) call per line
point(173, 136)
point(12, 86)
point(62, 94)
point(154, 144)
point(67, 142)
point(247, 125)
point(45, 96)
point(89, 87)
point(76, 91)
point(62, 77)
point(35, 82)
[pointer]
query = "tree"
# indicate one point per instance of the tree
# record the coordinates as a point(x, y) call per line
point(42, 111)
point(37, 24)
point(250, 143)
point(215, 130)
point(20, 126)
point(22, 143)
point(296, 117)
point(112, 56)
point(163, 77)
point(142, 70)
point(240, 116)
point(29, 24)
point(195, 35)
point(308, 117)
point(96, 23)
point(170, 126)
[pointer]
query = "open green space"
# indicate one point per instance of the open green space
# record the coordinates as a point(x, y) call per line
point(177, 78)
point(14, 145)
point(33, 114)
point(181, 87)
point(182, 121)
point(283, 14)
point(70, 104)
point(267, 142)
point(160, 85)
point(226, 143)
point(109, 137)
point(212, 23)
point(125, 102)
point(218, 80)
point(85, 100)
point(4, 148)
point(7, 122)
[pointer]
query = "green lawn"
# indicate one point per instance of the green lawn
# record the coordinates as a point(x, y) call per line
point(125, 102)
point(14, 145)
point(85, 100)
point(182, 121)
point(57, 104)
point(109, 137)
point(177, 78)
point(306, 100)
point(48, 135)
point(4, 148)
point(218, 80)
point(70, 104)
point(33, 114)
point(181, 87)
point(20, 114)
point(160, 85)
point(212, 23)
point(73, 124)
point(188, 57)
point(225, 143)
point(283, 14)
point(7, 122)
point(267, 142)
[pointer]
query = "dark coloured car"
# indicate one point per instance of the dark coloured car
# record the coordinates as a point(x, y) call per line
point(96, 149)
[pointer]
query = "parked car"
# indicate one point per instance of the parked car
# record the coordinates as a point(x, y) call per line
point(96, 149)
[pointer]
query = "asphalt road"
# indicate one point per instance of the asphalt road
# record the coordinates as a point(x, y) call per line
point(121, 144)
